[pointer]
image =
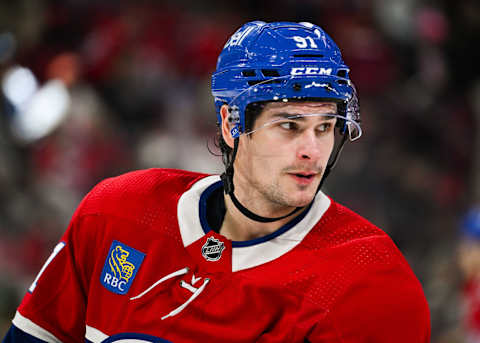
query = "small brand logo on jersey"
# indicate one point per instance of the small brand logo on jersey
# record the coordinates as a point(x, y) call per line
point(120, 267)
point(212, 249)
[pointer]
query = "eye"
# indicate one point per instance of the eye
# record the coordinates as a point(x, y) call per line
point(289, 125)
point(324, 127)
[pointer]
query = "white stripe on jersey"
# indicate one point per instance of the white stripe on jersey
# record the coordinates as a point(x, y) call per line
point(27, 326)
point(94, 335)
point(255, 255)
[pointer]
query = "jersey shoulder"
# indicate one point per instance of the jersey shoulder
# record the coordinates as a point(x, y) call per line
point(340, 225)
point(356, 240)
point(133, 192)
point(355, 264)
point(356, 251)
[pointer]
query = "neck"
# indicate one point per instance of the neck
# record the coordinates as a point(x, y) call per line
point(238, 227)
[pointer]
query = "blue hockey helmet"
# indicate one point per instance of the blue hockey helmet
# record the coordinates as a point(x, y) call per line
point(283, 61)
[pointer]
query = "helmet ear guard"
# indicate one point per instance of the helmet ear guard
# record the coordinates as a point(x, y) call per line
point(234, 121)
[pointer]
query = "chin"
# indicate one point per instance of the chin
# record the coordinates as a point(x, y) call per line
point(302, 201)
point(300, 198)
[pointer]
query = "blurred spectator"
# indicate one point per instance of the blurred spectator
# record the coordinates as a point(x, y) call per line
point(469, 262)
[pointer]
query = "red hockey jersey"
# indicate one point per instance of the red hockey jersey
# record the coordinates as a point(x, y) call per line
point(139, 263)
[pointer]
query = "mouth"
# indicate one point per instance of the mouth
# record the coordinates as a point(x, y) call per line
point(303, 178)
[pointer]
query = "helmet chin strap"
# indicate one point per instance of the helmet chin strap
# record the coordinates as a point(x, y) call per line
point(227, 179)
point(332, 164)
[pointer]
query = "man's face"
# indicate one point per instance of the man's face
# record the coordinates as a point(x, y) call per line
point(281, 164)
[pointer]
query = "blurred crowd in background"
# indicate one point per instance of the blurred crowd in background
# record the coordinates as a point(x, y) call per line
point(92, 89)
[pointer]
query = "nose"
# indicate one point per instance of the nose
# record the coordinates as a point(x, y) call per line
point(309, 146)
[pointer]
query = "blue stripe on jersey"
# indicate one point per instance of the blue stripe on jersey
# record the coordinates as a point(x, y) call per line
point(15, 335)
point(203, 205)
point(140, 337)
point(239, 244)
point(283, 229)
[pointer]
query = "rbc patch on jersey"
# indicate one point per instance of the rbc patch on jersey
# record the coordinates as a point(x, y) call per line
point(120, 267)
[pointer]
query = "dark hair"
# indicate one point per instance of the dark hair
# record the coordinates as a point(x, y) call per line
point(252, 112)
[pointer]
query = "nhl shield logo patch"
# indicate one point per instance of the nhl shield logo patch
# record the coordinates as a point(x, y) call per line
point(212, 249)
point(120, 267)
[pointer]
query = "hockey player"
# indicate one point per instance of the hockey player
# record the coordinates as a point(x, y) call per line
point(259, 254)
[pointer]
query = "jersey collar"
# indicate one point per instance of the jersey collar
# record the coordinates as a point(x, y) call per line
point(245, 254)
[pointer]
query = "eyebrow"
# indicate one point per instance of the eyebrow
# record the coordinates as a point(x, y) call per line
point(284, 115)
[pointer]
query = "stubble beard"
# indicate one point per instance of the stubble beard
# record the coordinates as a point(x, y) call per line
point(279, 197)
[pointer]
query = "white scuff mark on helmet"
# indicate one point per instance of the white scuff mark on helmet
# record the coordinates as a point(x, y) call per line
point(322, 85)
point(314, 84)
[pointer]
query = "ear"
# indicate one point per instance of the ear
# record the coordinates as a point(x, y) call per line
point(226, 127)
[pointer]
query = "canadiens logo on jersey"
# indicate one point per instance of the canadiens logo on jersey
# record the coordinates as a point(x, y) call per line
point(120, 267)
point(212, 249)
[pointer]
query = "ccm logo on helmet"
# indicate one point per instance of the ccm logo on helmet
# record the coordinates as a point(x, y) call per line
point(311, 71)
